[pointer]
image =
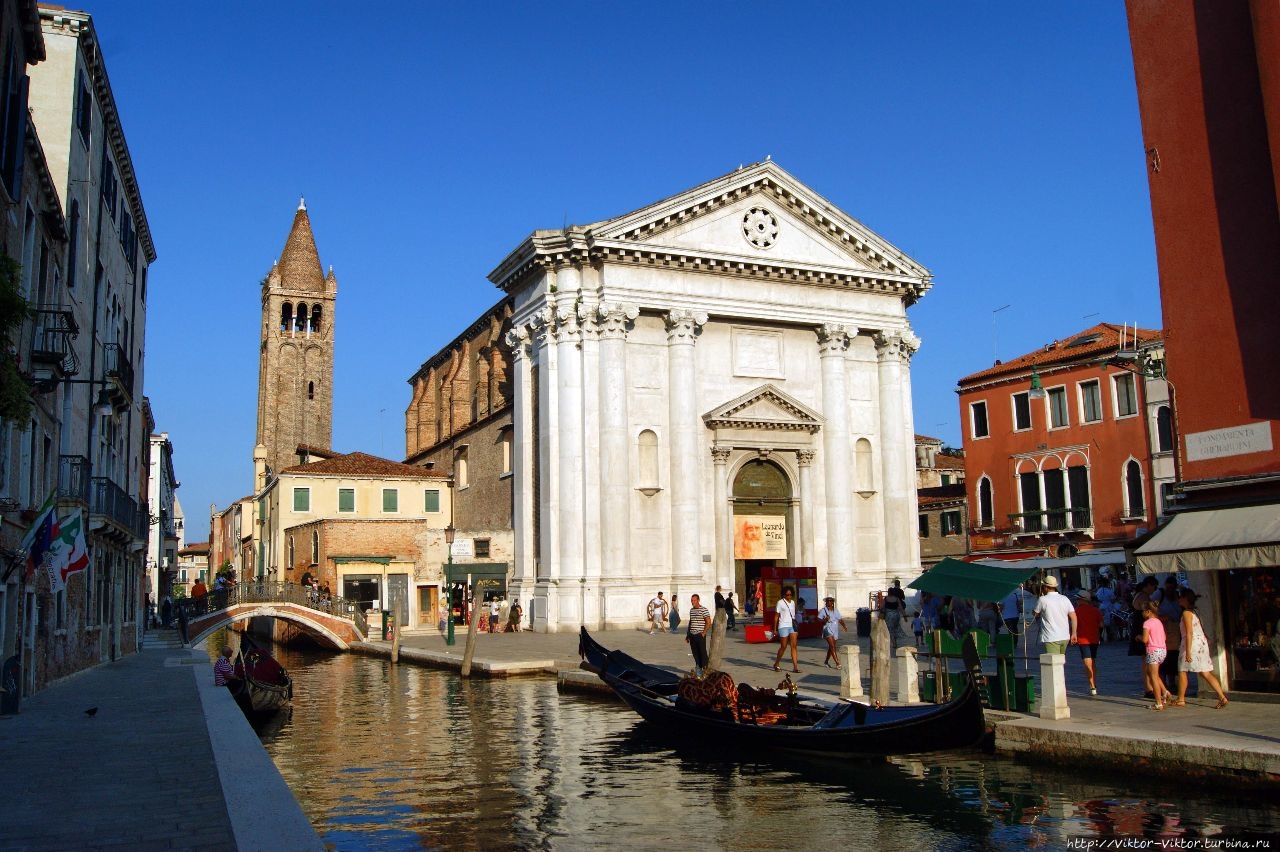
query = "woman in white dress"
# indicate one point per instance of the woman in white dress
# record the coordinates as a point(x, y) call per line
point(832, 623)
point(1194, 654)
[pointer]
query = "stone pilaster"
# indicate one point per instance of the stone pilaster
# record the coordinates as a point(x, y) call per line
point(614, 322)
point(682, 334)
point(892, 350)
point(568, 336)
point(723, 516)
point(522, 461)
point(833, 342)
point(804, 461)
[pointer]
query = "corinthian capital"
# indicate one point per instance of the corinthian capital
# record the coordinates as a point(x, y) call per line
point(517, 340)
point(833, 339)
point(896, 345)
point(615, 319)
point(683, 325)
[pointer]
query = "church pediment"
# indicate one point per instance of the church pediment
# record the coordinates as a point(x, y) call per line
point(766, 407)
point(763, 214)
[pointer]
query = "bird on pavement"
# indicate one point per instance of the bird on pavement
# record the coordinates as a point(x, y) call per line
point(91, 712)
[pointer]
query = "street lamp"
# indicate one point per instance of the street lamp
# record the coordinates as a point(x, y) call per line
point(1037, 391)
point(449, 533)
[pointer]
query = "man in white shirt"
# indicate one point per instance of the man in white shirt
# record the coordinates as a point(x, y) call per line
point(657, 614)
point(1057, 618)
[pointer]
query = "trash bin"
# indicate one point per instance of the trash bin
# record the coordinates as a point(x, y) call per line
point(863, 618)
point(928, 686)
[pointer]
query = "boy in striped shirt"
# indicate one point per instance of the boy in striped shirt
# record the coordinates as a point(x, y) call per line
point(699, 622)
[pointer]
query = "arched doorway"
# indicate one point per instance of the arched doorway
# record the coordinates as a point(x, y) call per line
point(763, 522)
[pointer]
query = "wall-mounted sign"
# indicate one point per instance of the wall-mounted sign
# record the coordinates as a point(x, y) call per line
point(759, 537)
point(464, 548)
point(1232, 441)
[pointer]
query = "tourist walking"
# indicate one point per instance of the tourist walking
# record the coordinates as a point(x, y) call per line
point(832, 623)
point(895, 605)
point(657, 612)
point(1195, 655)
point(730, 611)
point(1088, 636)
point(917, 628)
point(166, 610)
point(1057, 618)
point(699, 623)
point(495, 612)
point(513, 617)
point(785, 629)
point(1171, 617)
point(674, 617)
point(1154, 641)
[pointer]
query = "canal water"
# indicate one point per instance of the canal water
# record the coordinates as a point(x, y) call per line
point(403, 757)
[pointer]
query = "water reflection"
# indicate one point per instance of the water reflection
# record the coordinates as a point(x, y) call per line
point(385, 757)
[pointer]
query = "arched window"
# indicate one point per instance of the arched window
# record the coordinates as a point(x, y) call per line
point(291, 553)
point(863, 472)
point(73, 242)
point(1133, 489)
point(315, 547)
point(1164, 429)
point(286, 316)
point(986, 510)
point(315, 319)
point(461, 473)
point(647, 443)
point(311, 390)
point(300, 320)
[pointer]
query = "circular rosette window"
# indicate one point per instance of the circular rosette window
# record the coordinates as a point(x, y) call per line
point(760, 227)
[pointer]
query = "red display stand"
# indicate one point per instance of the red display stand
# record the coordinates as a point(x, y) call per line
point(805, 582)
point(755, 633)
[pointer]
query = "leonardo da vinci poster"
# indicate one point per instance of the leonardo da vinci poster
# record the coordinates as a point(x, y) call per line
point(759, 537)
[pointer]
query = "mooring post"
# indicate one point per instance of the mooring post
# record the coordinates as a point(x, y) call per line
point(908, 676)
point(851, 672)
point(1053, 687)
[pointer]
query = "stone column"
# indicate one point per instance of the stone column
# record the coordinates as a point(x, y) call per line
point(833, 341)
point(804, 460)
point(615, 450)
point(522, 461)
point(723, 517)
point(1053, 687)
point(568, 335)
point(896, 467)
point(908, 677)
point(685, 461)
point(545, 475)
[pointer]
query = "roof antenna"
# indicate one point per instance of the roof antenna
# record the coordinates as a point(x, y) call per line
point(302, 203)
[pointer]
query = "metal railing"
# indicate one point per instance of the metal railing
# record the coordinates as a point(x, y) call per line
point(119, 368)
point(253, 591)
point(110, 500)
point(51, 335)
point(73, 478)
point(1053, 520)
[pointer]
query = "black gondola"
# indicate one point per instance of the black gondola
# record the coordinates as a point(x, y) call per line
point(264, 686)
point(787, 722)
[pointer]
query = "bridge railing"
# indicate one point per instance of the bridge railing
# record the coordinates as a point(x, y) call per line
point(252, 592)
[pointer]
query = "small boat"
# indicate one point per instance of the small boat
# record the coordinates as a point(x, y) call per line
point(715, 709)
point(264, 685)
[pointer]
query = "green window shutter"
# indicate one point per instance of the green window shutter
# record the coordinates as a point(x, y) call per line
point(346, 499)
point(390, 500)
point(433, 501)
point(302, 499)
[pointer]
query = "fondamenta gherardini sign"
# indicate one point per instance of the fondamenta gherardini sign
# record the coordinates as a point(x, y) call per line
point(1232, 441)
point(759, 537)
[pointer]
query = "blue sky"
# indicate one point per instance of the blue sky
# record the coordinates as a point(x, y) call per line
point(996, 143)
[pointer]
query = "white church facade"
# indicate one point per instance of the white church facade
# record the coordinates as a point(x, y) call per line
point(713, 384)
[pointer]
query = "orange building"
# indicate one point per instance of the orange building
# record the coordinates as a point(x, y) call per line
point(1065, 447)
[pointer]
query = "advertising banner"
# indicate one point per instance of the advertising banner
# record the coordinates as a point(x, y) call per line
point(759, 537)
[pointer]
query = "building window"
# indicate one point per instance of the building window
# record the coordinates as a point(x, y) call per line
point(1056, 399)
point(461, 473)
point(315, 547)
point(1126, 395)
point(73, 242)
point(863, 468)
point(315, 319)
point(286, 316)
point(1021, 412)
point(924, 526)
point(950, 523)
point(1090, 402)
point(1029, 489)
point(84, 109)
point(300, 318)
point(292, 554)
point(647, 444)
point(432, 502)
point(1055, 498)
point(482, 548)
point(1164, 430)
point(978, 419)
point(390, 500)
point(986, 511)
point(946, 479)
point(60, 609)
point(311, 390)
point(302, 499)
point(505, 441)
point(346, 499)
point(1078, 483)
point(1135, 505)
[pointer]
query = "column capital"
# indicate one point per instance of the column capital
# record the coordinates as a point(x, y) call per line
point(615, 320)
point(833, 339)
point(567, 327)
point(683, 325)
point(720, 455)
point(517, 340)
point(805, 457)
point(896, 345)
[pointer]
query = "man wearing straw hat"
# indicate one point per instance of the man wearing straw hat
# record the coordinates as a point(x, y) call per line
point(1057, 618)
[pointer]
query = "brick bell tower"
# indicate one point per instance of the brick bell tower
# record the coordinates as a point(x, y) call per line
point(295, 368)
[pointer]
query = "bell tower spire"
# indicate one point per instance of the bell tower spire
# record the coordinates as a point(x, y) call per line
point(295, 368)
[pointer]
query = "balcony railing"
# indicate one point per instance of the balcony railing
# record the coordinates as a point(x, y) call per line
point(111, 501)
point(51, 337)
point(73, 478)
point(120, 371)
point(1053, 520)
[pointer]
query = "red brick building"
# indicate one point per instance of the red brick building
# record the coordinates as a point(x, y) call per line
point(1208, 78)
point(1062, 449)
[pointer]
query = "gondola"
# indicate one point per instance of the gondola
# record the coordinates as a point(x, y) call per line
point(264, 687)
point(762, 719)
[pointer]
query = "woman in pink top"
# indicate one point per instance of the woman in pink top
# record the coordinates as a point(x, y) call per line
point(1153, 637)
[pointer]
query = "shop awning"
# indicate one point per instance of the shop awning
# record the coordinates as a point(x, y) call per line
point(1086, 559)
point(981, 581)
point(1214, 540)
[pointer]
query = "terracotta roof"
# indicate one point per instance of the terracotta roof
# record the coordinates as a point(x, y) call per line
point(197, 547)
point(940, 494)
point(1089, 345)
point(921, 438)
point(942, 461)
point(363, 464)
point(313, 450)
point(300, 262)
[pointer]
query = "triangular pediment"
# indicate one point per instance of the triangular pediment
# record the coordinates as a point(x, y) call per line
point(766, 407)
point(762, 214)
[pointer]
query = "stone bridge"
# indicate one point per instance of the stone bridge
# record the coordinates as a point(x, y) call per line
point(330, 621)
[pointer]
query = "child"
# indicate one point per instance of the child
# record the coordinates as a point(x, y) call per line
point(917, 627)
point(1154, 639)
